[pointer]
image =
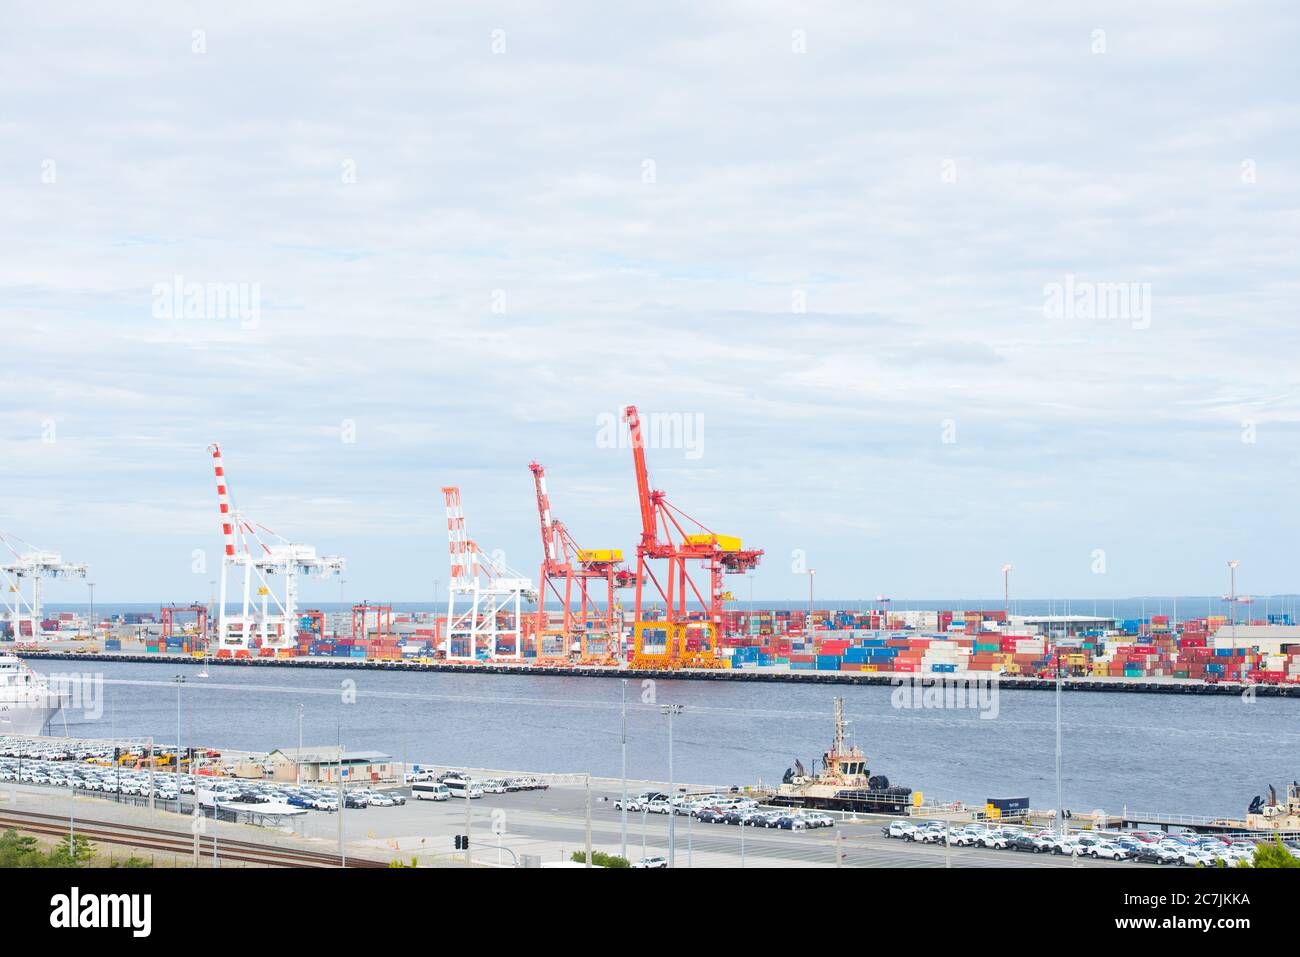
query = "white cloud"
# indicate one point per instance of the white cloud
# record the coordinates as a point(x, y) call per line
point(775, 172)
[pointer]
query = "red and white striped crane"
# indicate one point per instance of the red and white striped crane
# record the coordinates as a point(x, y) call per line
point(495, 593)
point(261, 560)
point(565, 568)
point(678, 640)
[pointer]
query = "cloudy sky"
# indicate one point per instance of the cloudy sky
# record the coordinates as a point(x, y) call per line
point(827, 236)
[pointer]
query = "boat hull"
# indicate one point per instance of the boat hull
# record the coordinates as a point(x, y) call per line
point(30, 714)
point(883, 801)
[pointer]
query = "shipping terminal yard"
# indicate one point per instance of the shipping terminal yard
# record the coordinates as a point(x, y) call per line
point(683, 620)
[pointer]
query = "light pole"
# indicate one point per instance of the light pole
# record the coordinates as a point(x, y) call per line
point(298, 763)
point(1006, 592)
point(180, 680)
point(1060, 805)
point(624, 735)
point(343, 853)
point(812, 575)
point(670, 710)
point(90, 616)
point(1232, 597)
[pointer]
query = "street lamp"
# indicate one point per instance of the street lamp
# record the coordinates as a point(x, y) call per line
point(812, 575)
point(90, 616)
point(1006, 591)
point(1232, 597)
point(624, 805)
point(180, 680)
point(670, 710)
point(1060, 805)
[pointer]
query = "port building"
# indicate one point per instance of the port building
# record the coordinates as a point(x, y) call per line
point(324, 766)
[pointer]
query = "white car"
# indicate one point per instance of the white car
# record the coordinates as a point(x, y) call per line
point(930, 834)
point(1192, 856)
point(993, 839)
point(819, 820)
point(1108, 850)
point(903, 829)
point(652, 862)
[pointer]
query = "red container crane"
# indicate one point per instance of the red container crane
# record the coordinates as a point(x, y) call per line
point(678, 640)
point(568, 569)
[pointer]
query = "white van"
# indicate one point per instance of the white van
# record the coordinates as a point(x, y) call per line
point(430, 792)
point(460, 787)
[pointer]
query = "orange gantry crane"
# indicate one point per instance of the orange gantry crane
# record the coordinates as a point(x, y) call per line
point(678, 640)
point(568, 573)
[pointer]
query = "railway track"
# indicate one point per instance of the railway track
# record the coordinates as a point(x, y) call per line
point(166, 840)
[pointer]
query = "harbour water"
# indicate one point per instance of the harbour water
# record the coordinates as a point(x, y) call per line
point(1201, 755)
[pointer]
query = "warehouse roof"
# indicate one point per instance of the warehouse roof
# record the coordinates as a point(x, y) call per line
point(330, 756)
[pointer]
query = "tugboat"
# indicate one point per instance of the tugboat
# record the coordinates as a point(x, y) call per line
point(844, 782)
point(1273, 815)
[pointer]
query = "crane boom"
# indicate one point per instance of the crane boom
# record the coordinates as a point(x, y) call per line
point(649, 521)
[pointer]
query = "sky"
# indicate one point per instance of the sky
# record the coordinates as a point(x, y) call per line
point(909, 291)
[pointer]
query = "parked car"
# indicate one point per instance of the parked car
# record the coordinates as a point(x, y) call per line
point(1108, 850)
point(652, 863)
point(1155, 854)
point(903, 829)
point(997, 840)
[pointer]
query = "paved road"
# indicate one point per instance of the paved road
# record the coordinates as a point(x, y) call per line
point(552, 825)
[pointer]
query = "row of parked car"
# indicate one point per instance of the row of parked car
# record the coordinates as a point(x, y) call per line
point(1147, 847)
point(725, 809)
point(87, 777)
point(167, 785)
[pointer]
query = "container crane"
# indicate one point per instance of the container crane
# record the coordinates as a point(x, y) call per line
point(261, 559)
point(34, 565)
point(492, 589)
point(565, 568)
point(678, 640)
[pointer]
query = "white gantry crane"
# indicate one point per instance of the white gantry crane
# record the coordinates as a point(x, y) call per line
point(261, 560)
point(29, 565)
point(489, 585)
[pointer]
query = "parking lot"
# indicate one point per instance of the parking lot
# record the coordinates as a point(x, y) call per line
point(1134, 846)
point(512, 817)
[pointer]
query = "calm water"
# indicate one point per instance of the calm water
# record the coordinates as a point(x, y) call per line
point(1197, 756)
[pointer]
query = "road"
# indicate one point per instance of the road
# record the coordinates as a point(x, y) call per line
point(551, 825)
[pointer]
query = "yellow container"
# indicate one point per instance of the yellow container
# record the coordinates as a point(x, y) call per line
point(600, 555)
point(917, 798)
point(871, 667)
point(728, 543)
